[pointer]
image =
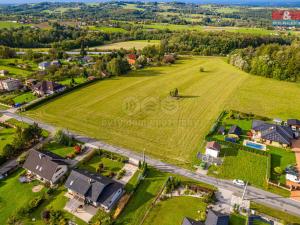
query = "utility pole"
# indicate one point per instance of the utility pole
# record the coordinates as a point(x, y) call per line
point(144, 158)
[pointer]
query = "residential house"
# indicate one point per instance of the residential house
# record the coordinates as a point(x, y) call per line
point(272, 134)
point(94, 189)
point(55, 63)
point(47, 88)
point(131, 58)
point(212, 218)
point(294, 124)
point(221, 130)
point(31, 82)
point(44, 65)
point(45, 166)
point(10, 84)
point(235, 132)
point(213, 149)
point(4, 72)
point(87, 59)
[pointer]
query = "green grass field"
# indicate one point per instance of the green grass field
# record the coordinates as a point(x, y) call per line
point(134, 111)
point(172, 211)
point(26, 97)
point(59, 149)
point(127, 45)
point(108, 29)
point(6, 137)
point(242, 165)
point(236, 219)
point(9, 24)
point(14, 195)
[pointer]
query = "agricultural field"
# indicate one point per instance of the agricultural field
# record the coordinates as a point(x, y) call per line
point(106, 110)
point(140, 44)
point(18, 67)
point(10, 24)
point(108, 29)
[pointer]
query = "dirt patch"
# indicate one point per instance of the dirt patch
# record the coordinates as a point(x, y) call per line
point(37, 188)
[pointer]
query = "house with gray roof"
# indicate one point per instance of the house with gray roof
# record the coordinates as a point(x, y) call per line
point(44, 65)
point(45, 166)
point(235, 132)
point(272, 134)
point(212, 218)
point(94, 189)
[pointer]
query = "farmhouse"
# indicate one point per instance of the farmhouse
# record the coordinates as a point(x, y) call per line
point(10, 84)
point(44, 65)
point(47, 88)
point(212, 218)
point(213, 149)
point(234, 132)
point(94, 189)
point(45, 166)
point(272, 134)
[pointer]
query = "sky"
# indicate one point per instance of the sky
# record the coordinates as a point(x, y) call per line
point(240, 2)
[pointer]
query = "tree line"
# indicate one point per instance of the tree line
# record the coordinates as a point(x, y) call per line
point(276, 61)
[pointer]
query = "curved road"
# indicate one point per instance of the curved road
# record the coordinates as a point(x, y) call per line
point(254, 194)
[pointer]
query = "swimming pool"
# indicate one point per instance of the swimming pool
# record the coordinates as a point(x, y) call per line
point(255, 145)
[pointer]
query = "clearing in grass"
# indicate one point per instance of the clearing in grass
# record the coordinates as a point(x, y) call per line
point(100, 110)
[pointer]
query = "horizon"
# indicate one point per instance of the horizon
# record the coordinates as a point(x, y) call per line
point(290, 3)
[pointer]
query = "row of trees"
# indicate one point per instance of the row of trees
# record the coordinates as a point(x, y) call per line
point(272, 61)
point(23, 139)
point(216, 43)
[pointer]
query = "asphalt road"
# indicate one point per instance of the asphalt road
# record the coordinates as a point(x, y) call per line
point(253, 194)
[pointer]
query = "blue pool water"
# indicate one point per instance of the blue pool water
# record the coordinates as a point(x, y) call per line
point(255, 145)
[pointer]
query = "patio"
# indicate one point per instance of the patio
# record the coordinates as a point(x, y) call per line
point(78, 208)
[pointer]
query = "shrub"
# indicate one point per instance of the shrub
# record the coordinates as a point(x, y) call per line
point(121, 173)
point(77, 149)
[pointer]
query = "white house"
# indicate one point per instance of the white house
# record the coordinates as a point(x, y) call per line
point(213, 149)
point(10, 84)
point(45, 166)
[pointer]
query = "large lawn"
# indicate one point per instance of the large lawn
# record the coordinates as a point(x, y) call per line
point(134, 111)
point(127, 45)
point(242, 165)
point(173, 210)
point(14, 195)
point(59, 149)
point(6, 137)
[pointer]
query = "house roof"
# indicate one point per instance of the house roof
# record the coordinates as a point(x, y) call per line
point(44, 86)
point(43, 163)
point(92, 186)
point(293, 122)
point(44, 64)
point(216, 218)
point(132, 56)
point(213, 145)
point(221, 129)
point(235, 130)
point(189, 221)
point(273, 132)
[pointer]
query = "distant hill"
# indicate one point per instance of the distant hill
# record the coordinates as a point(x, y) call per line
point(287, 3)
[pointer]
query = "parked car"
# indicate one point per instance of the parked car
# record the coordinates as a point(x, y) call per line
point(293, 178)
point(239, 182)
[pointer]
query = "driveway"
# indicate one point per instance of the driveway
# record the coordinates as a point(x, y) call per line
point(130, 171)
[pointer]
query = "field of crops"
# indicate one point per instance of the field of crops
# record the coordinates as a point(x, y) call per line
point(136, 112)
point(127, 45)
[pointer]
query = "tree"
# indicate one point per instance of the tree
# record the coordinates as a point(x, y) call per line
point(278, 170)
point(114, 67)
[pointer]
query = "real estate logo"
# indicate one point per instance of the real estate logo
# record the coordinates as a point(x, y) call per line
point(286, 18)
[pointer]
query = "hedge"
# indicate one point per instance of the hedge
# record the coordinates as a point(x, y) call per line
point(53, 96)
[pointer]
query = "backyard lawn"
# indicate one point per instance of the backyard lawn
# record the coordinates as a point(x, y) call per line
point(242, 165)
point(14, 195)
point(173, 210)
point(25, 98)
point(109, 165)
point(11, 65)
point(104, 111)
point(59, 149)
point(236, 219)
point(127, 45)
point(142, 198)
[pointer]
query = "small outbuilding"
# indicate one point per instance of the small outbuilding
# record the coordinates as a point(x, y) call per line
point(3, 72)
point(213, 149)
point(235, 131)
point(221, 130)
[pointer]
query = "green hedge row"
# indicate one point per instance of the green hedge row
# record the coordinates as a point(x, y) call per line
point(53, 96)
point(112, 155)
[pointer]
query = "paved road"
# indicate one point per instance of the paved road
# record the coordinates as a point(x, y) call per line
point(253, 193)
